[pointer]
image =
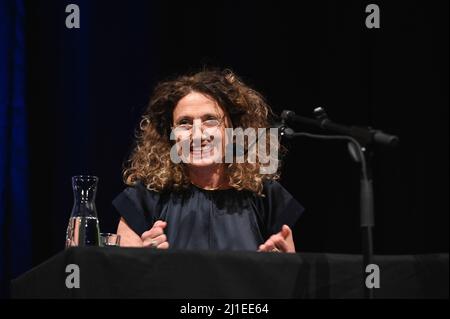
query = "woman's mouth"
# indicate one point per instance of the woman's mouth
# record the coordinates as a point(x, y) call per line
point(204, 150)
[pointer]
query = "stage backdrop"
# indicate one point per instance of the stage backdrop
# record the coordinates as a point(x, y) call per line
point(87, 87)
point(15, 227)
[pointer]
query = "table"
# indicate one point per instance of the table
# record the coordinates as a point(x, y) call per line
point(113, 272)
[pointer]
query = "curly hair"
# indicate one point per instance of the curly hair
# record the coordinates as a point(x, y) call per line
point(150, 160)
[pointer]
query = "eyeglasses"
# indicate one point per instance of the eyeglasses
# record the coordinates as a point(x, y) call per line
point(207, 124)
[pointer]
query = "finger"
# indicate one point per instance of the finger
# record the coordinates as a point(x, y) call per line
point(150, 243)
point(160, 223)
point(261, 247)
point(286, 231)
point(281, 244)
point(152, 233)
point(270, 245)
point(164, 245)
point(154, 242)
point(275, 238)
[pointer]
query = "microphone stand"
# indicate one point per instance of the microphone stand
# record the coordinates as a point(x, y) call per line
point(359, 140)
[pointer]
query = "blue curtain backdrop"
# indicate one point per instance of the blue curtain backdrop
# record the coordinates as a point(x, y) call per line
point(15, 228)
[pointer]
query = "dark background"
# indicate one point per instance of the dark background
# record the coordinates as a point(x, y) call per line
point(87, 87)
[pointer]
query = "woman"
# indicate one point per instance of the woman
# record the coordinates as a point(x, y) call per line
point(189, 197)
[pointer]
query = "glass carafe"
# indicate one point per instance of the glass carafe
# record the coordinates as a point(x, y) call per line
point(83, 228)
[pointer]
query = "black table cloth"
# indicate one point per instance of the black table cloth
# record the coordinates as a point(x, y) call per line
point(111, 272)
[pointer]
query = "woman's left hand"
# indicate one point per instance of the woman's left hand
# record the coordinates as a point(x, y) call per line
point(279, 242)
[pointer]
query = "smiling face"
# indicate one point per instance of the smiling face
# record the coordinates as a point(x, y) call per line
point(199, 123)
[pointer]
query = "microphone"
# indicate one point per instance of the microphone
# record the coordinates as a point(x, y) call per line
point(386, 139)
point(363, 134)
point(290, 116)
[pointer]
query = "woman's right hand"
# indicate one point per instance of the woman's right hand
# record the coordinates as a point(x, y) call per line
point(155, 237)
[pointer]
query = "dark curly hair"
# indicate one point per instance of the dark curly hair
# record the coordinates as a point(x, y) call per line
point(150, 160)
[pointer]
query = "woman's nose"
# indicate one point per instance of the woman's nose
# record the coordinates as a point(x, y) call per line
point(197, 131)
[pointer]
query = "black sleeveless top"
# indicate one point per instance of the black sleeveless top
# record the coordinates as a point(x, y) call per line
point(210, 219)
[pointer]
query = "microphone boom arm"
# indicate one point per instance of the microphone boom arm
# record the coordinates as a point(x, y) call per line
point(364, 136)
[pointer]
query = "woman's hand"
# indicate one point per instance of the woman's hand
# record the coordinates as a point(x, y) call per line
point(155, 237)
point(152, 237)
point(282, 241)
